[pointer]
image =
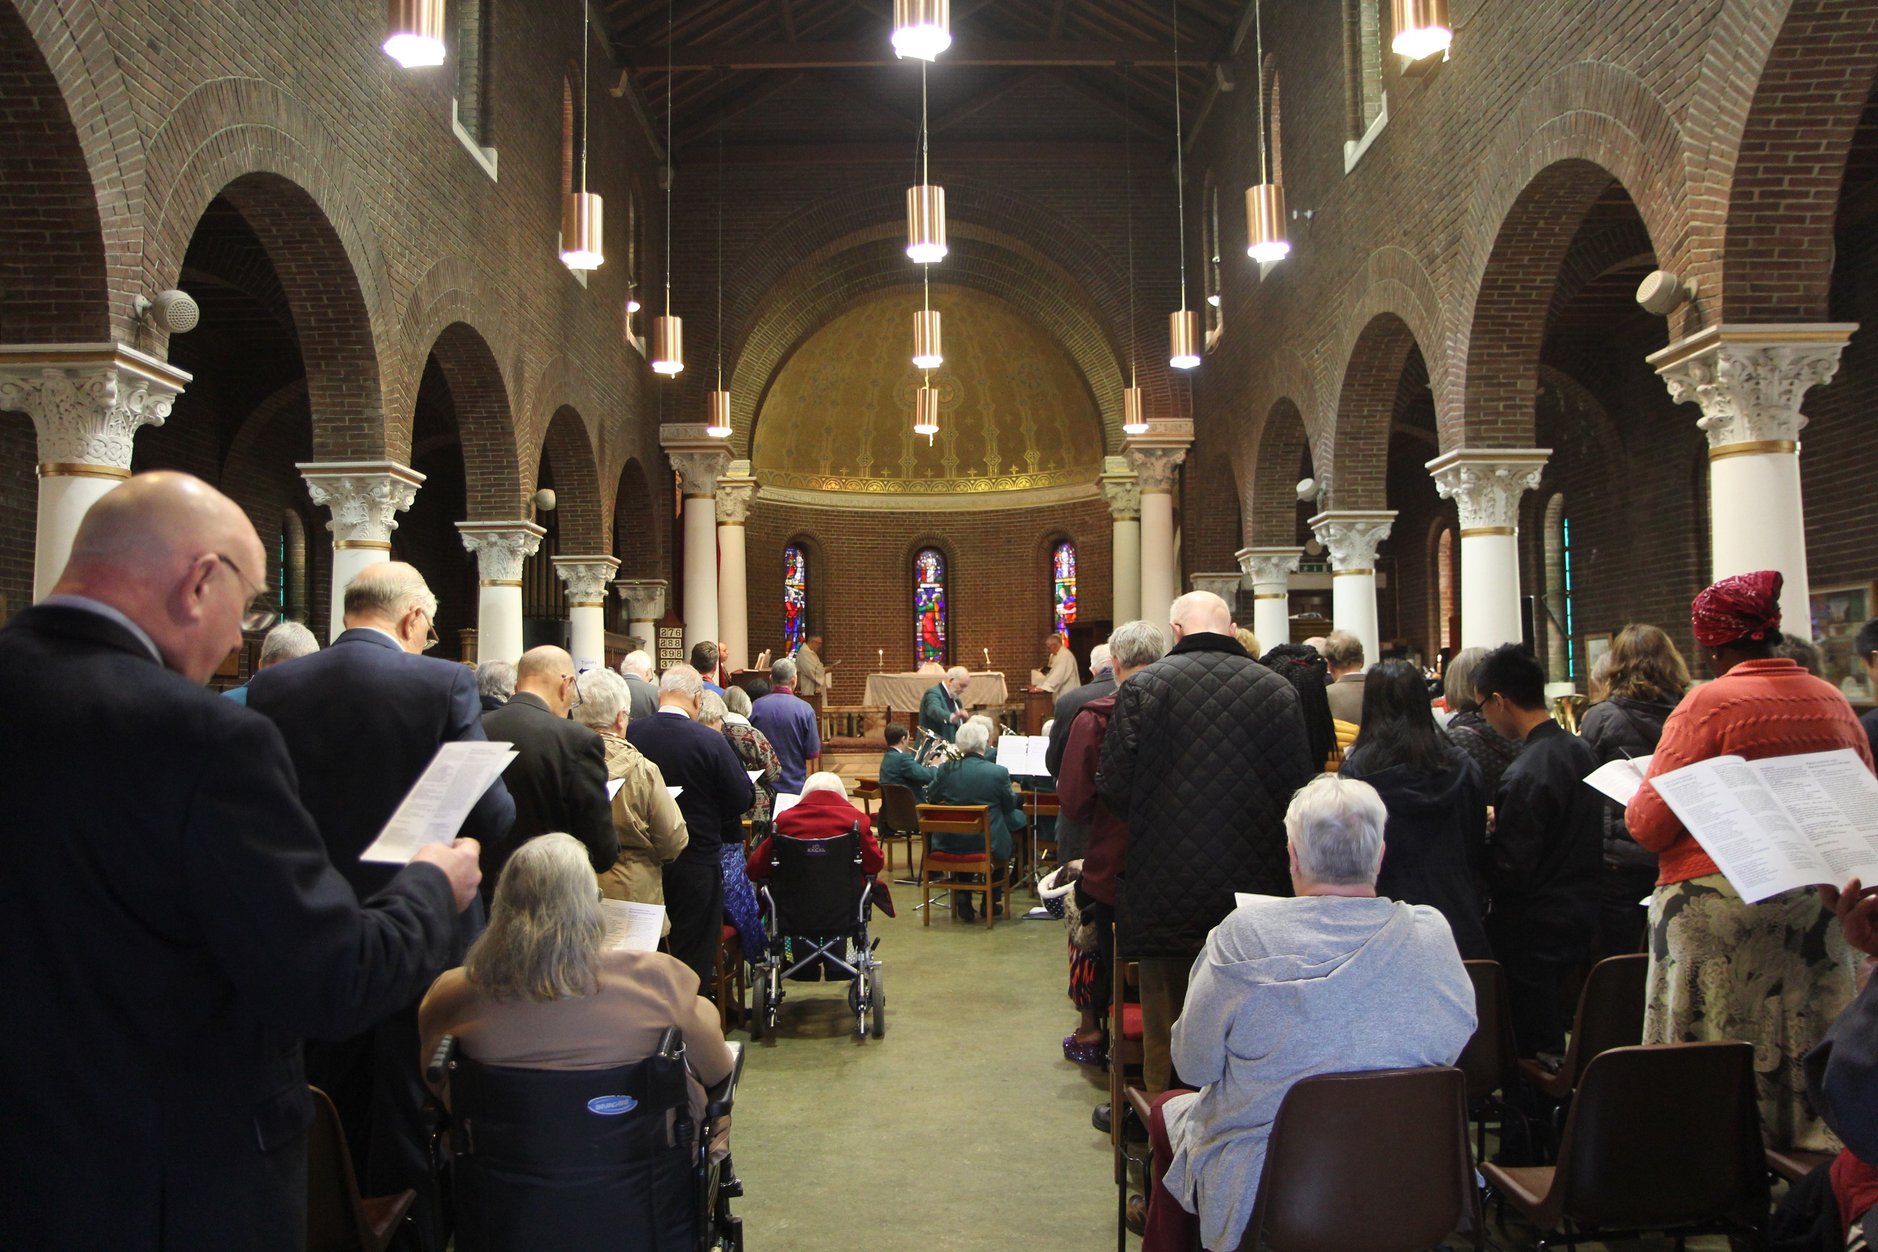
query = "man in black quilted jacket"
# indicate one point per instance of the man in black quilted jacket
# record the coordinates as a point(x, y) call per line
point(1203, 752)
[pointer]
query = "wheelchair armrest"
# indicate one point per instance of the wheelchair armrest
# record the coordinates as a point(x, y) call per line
point(440, 1060)
point(720, 1097)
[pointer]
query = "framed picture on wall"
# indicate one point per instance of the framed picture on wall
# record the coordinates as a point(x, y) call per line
point(1595, 647)
point(1837, 614)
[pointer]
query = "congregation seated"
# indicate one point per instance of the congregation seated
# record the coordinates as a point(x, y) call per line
point(899, 765)
point(540, 989)
point(1335, 980)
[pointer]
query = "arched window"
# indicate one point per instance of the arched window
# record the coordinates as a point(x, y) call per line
point(573, 130)
point(467, 37)
point(1363, 39)
point(929, 607)
point(1561, 628)
point(1447, 620)
point(1274, 131)
point(1209, 240)
point(1063, 585)
point(291, 575)
point(795, 596)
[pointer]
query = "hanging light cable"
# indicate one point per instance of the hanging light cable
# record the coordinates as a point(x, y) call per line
point(921, 28)
point(1265, 200)
point(1134, 411)
point(925, 203)
point(414, 32)
point(581, 247)
point(718, 427)
point(1421, 28)
point(668, 332)
point(1183, 326)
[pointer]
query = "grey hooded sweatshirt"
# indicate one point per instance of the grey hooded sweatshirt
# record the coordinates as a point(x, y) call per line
point(1289, 988)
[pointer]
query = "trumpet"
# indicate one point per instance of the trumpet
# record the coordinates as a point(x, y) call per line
point(932, 748)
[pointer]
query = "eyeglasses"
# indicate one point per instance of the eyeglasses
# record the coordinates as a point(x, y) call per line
point(430, 632)
point(573, 681)
point(262, 611)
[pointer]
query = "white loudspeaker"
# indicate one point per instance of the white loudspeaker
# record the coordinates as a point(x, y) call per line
point(544, 501)
point(173, 312)
point(1307, 489)
point(1662, 293)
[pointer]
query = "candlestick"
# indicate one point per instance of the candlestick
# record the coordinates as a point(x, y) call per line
point(881, 664)
point(987, 658)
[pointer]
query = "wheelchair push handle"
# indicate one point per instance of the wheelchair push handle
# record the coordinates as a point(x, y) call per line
point(440, 1060)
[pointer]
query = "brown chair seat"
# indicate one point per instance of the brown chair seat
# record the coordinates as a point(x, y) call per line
point(1794, 1164)
point(338, 1219)
point(1609, 1015)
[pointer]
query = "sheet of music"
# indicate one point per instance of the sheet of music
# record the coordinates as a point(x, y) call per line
point(434, 809)
point(632, 926)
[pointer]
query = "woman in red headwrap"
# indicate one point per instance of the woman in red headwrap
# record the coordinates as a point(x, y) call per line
point(1774, 973)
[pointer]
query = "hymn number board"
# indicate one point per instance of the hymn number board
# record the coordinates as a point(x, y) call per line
point(671, 649)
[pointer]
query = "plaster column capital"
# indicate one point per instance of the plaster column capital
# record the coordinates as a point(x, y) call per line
point(87, 401)
point(1750, 379)
point(1225, 586)
point(736, 492)
point(1352, 536)
point(1486, 484)
point(1267, 566)
point(500, 548)
point(699, 459)
point(1156, 456)
point(586, 578)
point(364, 497)
point(1120, 488)
point(644, 597)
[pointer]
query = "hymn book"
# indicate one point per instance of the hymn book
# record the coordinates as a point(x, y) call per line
point(1781, 822)
point(443, 795)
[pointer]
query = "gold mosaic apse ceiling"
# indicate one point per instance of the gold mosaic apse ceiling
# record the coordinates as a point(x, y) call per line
point(1015, 413)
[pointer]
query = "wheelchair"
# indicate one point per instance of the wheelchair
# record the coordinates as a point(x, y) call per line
point(540, 1158)
point(816, 898)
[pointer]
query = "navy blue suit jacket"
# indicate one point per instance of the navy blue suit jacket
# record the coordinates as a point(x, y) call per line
point(717, 790)
point(170, 928)
point(362, 719)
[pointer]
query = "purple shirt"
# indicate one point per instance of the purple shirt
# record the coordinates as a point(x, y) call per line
point(789, 722)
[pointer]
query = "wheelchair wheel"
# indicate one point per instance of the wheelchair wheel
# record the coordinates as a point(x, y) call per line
point(880, 1003)
point(765, 1006)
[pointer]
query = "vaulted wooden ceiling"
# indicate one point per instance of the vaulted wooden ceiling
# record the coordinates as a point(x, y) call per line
point(730, 57)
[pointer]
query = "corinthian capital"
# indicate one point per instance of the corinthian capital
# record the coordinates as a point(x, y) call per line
point(644, 598)
point(1156, 456)
point(1352, 536)
point(1486, 483)
point(87, 401)
point(1225, 586)
point(698, 459)
point(1121, 489)
point(501, 547)
point(1749, 379)
point(586, 578)
point(365, 497)
point(736, 492)
point(1268, 566)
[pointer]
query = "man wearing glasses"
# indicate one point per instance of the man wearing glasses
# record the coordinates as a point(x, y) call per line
point(169, 915)
point(362, 720)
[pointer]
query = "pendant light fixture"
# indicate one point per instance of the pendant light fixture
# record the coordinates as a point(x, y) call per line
point(925, 203)
point(718, 427)
point(928, 350)
point(1183, 325)
point(668, 332)
point(921, 28)
point(414, 32)
point(1265, 199)
point(1421, 28)
point(926, 410)
point(581, 248)
point(1134, 411)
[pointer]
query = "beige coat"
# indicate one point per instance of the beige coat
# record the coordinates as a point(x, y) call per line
point(651, 830)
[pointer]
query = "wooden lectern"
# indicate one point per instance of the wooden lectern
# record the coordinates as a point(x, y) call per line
point(1038, 706)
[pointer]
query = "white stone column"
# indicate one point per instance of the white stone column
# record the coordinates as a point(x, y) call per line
point(645, 605)
point(1270, 571)
point(700, 461)
point(1123, 491)
point(1352, 536)
point(86, 402)
point(1486, 485)
point(365, 498)
point(1155, 458)
point(736, 491)
point(586, 578)
point(500, 548)
point(1749, 380)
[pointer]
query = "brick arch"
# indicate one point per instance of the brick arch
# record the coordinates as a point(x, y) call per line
point(820, 290)
point(1393, 283)
point(1783, 193)
point(453, 290)
point(265, 446)
point(1282, 444)
point(52, 249)
point(1623, 245)
point(485, 423)
point(578, 507)
point(1357, 469)
point(558, 384)
point(268, 154)
point(67, 43)
point(635, 525)
point(1288, 377)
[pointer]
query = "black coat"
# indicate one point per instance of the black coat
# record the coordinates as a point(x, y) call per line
point(1202, 754)
point(1543, 863)
point(1435, 845)
point(558, 781)
point(717, 789)
point(1617, 728)
point(170, 928)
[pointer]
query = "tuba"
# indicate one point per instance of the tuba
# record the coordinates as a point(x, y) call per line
point(933, 748)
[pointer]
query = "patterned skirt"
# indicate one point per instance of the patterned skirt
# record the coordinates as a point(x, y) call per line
point(1775, 974)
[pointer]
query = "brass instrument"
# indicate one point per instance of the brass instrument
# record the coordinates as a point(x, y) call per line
point(1568, 710)
point(933, 748)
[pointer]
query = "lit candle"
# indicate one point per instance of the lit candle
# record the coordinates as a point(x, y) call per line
point(987, 658)
point(881, 664)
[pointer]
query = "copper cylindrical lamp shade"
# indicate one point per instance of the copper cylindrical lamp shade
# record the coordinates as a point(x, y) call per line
point(1421, 28)
point(1134, 412)
point(928, 351)
point(719, 425)
point(926, 223)
point(921, 28)
point(414, 32)
point(926, 412)
point(1183, 339)
point(580, 231)
point(668, 345)
point(1265, 223)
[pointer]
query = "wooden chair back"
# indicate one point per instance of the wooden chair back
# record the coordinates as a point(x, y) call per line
point(955, 871)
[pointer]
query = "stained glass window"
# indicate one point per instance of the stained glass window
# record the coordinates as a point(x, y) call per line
point(929, 606)
point(1063, 583)
point(795, 596)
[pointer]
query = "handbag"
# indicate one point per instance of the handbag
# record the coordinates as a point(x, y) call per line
point(1058, 893)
